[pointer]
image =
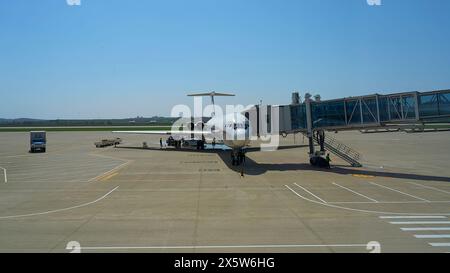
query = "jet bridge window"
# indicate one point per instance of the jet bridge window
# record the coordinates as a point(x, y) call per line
point(298, 116)
point(369, 110)
point(429, 105)
point(330, 113)
point(383, 105)
point(444, 104)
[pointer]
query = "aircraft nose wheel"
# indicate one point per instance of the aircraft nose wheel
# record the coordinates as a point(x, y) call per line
point(234, 159)
point(237, 158)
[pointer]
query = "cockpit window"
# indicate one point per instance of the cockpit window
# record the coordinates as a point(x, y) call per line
point(236, 126)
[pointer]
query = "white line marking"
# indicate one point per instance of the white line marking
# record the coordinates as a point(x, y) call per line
point(413, 217)
point(421, 223)
point(360, 194)
point(432, 236)
point(323, 201)
point(399, 192)
point(4, 173)
point(352, 209)
point(59, 210)
point(11, 156)
point(392, 202)
point(218, 247)
point(426, 229)
point(429, 187)
point(440, 244)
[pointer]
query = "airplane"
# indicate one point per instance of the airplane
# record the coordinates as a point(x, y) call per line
point(234, 129)
point(312, 119)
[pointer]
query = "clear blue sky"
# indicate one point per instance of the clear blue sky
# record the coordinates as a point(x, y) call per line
point(117, 58)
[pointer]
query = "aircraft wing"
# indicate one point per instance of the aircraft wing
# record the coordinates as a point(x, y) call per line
point(187, 133)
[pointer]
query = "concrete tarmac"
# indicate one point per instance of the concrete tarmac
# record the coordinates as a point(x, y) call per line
point(129, 199)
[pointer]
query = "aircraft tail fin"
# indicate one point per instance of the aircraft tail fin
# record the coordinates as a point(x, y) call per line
point(212, 95)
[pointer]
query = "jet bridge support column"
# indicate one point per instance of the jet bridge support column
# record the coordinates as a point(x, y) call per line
point(321, 140)
point(309, 125)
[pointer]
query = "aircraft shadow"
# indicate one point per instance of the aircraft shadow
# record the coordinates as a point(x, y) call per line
point(251, 167)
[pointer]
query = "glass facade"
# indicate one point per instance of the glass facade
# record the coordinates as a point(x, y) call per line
point(434, 105)
point(428, 105)
point(409, 107)
point(384, 110)
point(395, 108)
point(353, 112)
point(328, 114)
point(444, 104)
point(298, 116)
point(372, 110)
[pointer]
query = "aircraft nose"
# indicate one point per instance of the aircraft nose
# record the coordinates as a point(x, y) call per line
point(242, 134)
point(236, 134)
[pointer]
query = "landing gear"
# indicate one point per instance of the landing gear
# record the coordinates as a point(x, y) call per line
point(234, 158)
point(237, 157)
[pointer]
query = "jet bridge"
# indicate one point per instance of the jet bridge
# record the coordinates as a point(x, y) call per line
point(364, 112)
point(376, 111)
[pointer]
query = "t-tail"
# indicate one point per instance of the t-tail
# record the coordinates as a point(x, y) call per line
point(212, 95)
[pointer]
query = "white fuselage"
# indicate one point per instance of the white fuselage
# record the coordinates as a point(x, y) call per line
point(233, 129)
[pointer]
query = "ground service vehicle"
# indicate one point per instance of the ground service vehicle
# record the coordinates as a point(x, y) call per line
point(38, 141)
point(107, 142)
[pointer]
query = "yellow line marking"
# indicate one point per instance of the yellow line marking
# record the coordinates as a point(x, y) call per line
point(99, 177)
point(363, 176)
point(109, 176)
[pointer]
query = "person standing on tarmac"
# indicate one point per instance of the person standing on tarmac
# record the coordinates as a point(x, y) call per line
point(328, 159)
point(160, 143)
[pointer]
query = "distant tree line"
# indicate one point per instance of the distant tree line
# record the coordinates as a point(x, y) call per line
point(138, 121)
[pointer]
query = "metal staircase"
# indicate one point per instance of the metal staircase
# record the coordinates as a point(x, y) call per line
point(341, 150)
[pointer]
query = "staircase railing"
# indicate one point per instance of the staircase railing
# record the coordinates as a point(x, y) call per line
point(341, 150)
